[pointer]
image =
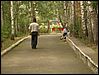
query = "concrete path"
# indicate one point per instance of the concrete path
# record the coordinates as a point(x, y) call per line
point(52, 56)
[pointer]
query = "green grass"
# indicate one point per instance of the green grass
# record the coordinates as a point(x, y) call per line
point(8, 42)
point(89, 44)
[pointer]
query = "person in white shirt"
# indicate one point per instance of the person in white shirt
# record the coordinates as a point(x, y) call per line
point(34, 28)
point(64, 34)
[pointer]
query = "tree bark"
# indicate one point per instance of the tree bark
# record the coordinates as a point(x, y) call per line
point(85, 18)
point(1, 15)
point(12, 22)
point(95, 21)
point(33, 10)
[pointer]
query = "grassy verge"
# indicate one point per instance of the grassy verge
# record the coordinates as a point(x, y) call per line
point(8, 42)
point(89, 44)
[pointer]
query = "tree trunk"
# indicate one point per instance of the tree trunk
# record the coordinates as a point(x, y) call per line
point(79, 20)
point(72, 19)
point(1, 16)
point(33, 10)
point(1, 24)
point(90, 31)
point(48, 27)
point(85, 18)
point(12, 22)
point(65, 12)
point(95, 27)
point(95, 21)
point(16, 19)
point(75, 19)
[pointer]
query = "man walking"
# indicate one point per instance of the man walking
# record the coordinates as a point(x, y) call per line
point(34, 28)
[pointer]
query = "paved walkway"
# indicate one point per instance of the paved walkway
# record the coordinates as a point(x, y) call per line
point(52, 56)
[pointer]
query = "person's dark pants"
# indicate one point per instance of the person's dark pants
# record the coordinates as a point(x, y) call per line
point(34, 39)
point(64, 35)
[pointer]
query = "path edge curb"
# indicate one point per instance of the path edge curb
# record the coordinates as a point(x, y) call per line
point(13, 45)
point(83, 56)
